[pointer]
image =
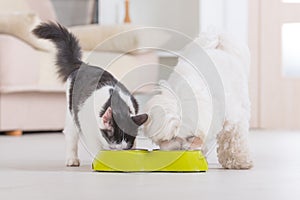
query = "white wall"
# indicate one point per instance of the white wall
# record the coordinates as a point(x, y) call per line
point(187, 16)
point(110, 11)
point(181, 15)
point(229, 16)
point(212, 15)
point(236, 15)
point(73, 12)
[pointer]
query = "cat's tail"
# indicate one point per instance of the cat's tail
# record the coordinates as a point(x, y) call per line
point(68, 56)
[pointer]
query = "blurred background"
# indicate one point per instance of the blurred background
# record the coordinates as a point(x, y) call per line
point(269, 27)
point(32, 99)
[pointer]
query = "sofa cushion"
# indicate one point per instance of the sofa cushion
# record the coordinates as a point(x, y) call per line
point(134, 71)
point(17, 68)
point(22, 68)
point(119, 38)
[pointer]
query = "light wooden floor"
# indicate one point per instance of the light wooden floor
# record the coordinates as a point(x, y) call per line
point(32, 167)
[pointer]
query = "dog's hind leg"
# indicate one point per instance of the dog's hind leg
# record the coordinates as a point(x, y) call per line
point(233, 151)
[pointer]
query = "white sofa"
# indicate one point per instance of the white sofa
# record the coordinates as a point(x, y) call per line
point(31, 97)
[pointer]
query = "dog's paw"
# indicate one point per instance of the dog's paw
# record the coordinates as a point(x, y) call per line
point(238, 159)
point(237, 164)
point(173, 144)
point(72, 162)
point(246, 165)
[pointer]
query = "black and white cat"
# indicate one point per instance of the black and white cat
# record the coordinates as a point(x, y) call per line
point(114, 109)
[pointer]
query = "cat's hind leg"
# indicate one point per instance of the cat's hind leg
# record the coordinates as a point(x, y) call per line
point(72, 137)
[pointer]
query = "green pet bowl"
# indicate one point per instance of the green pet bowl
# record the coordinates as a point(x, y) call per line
point(150, 161)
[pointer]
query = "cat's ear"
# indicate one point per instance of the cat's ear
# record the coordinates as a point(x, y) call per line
point(107, 118)
point(140, 119)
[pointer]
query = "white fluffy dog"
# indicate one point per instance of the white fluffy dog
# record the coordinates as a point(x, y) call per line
point(180, 114)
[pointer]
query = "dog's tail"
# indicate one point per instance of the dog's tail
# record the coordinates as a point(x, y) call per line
point(228, 44)
point(68, 56)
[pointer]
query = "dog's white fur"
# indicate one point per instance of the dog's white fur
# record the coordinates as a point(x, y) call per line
point(169, 130)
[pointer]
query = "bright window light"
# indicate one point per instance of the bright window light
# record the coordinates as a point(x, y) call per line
point(291, 1)
point(291, 49)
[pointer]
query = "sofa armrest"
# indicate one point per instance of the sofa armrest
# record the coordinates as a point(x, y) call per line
point(20, 25)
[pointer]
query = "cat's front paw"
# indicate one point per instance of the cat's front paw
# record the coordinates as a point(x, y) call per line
point(72, 162)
